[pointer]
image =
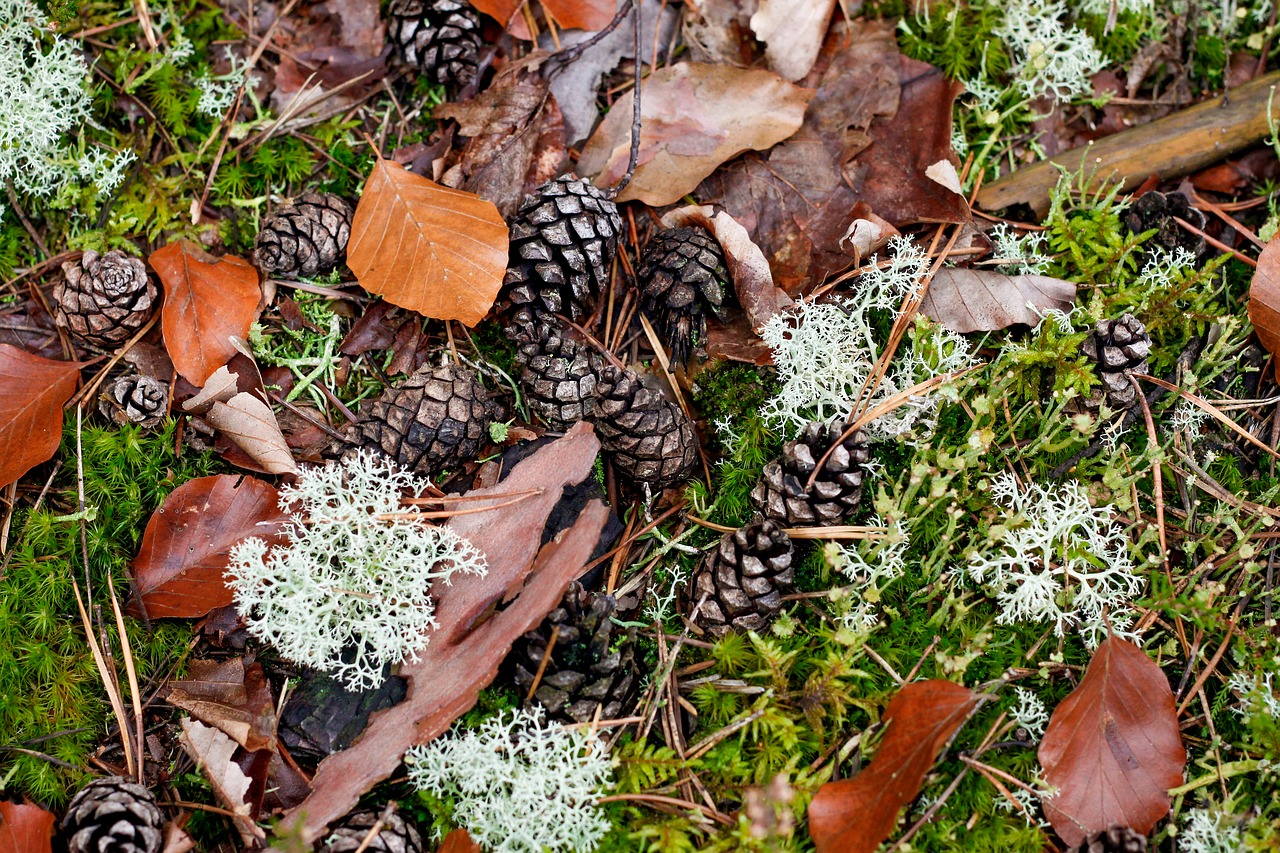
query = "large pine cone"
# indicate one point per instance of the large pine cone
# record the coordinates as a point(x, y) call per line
point(743, 579)
point(1117, 839)
point(563, 240)
point(438, 418)
point(650, 438)
point(682, 278)
point(103, 300)
point(585, 671)
point(559, 374)
point(438, 38)
point(1157, 210)
point(304, 237)
point(780, 493)
point(135, 399)
point(396, 836)
point(1118, 347)
point(113, 815)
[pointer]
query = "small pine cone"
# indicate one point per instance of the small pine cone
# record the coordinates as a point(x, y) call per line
point(396, 836)
point(559, 374)
point(780, 493)
point(440, 39)
point(1117, 839)
point(438, 418)
point(589, 668)
point(135, 399)
point(563, 240)
point(741, 582)
point(103, 300)
point(1119, 348)
point(1157, 210)
point(113, 815)
point(304, 237)
point(682, 276)
point(650, 438)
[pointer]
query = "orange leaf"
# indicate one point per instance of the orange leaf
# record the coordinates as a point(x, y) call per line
point(431, 249)
point(568, 14)
point(1264, 297)
point(32, 392)
point(855, 815)
point(458, 841)
point(1112, 748)
point(25, 828)
point(207, 302)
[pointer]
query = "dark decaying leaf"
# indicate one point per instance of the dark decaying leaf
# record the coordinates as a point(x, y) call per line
point(968, 300)
point(323, 716)
point(856, 815)
point(32, 392)
point(1113, 748)
point(230, 696)
point(178, 570)
point(27, 828)
point(1264, 297)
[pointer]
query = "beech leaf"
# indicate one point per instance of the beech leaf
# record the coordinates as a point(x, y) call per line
point(967, 300)
point(178, 570)
point(251, 425)
point(1112, 748)
point(1264, 297)
point(208, 301)
point(694, 116)
point(213, 751)
point(27, 828)
point(458, 841)
point(33, 391)
point(425, 247)
point(856, 815)
point(792, 33)
point(234, 698)
point(568, 14)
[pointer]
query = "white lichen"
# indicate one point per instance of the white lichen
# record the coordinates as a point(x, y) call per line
point(1029, 712)
point(1050, 58)
point(350, 592)
point(870, 564)
point(1257, 695)
point(1019, 254)
point(1208, 832)
point(518, 783)
point(1163, 267)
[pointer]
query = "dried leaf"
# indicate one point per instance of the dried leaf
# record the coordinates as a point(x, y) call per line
point(1264, 297)
point(425, 247)
point(213, 751)
point(27, 828)
point(458, 841)
point(856, 815)
point(792, 33)
point(252, 426)
point(568, 14)
point(207, 302)
point(218, 388)
point(694, 116)
point(232, 697)
point(968, 300)
point(33, 391)
point(178, 570)
point(1112, 748)
point(868, 233)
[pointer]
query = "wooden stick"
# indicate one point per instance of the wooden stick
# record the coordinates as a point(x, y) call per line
point(1170, 147)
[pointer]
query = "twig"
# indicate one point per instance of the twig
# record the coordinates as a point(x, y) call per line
point(634, 156)
point(542, 664)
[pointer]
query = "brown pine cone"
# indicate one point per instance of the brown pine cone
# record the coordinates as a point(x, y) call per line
point(780, 493)
point(440, 39)
point(682, 277)
point(135, 399)
point(397, 835)
point(741, 582)
point(650, 438)
point(1119, 348)
point(559, 374)
point(103, 300)
point(1117, 839)
point(113, 815)
point(304, 237)
point(1157, 210)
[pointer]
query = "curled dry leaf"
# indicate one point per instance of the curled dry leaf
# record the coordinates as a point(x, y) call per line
point(27, 828)
point(33, 391)
point(967, 300)
point(251, 425)
point(178, 570)
point(792, 33)
point(1264, 297)
point(868, 233)
point(428, 248)
point(208, 301)
point(694, 116)
point(856, 815)
point(234, 698)
point(213, 751)
point(1112, 748)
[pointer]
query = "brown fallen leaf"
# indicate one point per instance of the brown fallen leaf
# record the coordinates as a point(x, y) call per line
point(856, 815)
point(568, 14)
point(969, 300)
point(458, 841)
point(213, 751)
point(27, 828)
point(428, 248)
point(232, 697)
point(466, 647)
point(1264, 297)
point(178, 570)
point(32, 392)
point(251, 425)
point(792, 33)
point(208, 301)
point(1113, 748)
point(694, 116)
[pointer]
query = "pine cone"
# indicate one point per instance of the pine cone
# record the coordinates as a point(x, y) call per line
point(438, 38)
point(682, 277)
point(103, 300)
point(396, 836)
point(563, 240)
point(1117, 839)
point(437, 418)
point(1157, 210)
point(652, 441)
point(780, 493)
point(1119, 348)
point(743, 579)
point(135, 399)
point(559, 374)
point(304, 237)
point(585, 671)
point(113, 815)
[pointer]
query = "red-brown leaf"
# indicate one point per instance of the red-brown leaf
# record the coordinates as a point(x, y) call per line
point(207, 302)
point(178, 571)
point(229, 696)
point(32, 393)
point(25, 828)
point(568, 14)
point(855, 815)
point(458, 841)
point(425, 247)
point(1264, 297)
point(1112, 748)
